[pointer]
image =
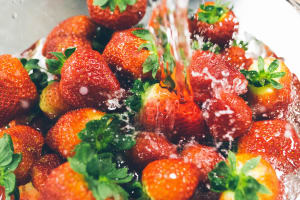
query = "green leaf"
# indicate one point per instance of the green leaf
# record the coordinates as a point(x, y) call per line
point(54, 66)
point(12, 166)
point(6, 150)
point(273, 66)
point(250, 164)
point(276, 85)
point(9, 183)
point(143, 34)
point(277, 75)
point(238, 195)
point(100, 2)
point(232, 161)
point(261, 64)
point(69, 51)
point(264, 190)
point(60, 56)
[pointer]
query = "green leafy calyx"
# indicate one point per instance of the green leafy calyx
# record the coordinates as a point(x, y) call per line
point(36, 73)
point(212, 13)
point(262, 77)
point(9, 161)
point(151, 64)
point(226, 177)
point(55, 65)
point(241, 44)
point(107, 135)
point(112, 4)
point(101, 173)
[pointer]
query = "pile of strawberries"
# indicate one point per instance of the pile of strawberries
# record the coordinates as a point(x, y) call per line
point(120, 118)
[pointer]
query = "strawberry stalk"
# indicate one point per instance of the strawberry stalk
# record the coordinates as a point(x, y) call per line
point(264, 77)
point(9, 161)
point(112, 4)
point(212, 13)
point(226, 177)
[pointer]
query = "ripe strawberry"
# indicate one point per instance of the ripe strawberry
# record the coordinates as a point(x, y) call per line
point(28, 192)
point(244, 176)
point(269, 87)
point(215, 22)
point(157, 112)
point(2, 193)
point(150, 147)
point(61, 43)
point(227, 115)
point(18, 92)
point(42, 168)
point(189, 122)
point(210, 73)
point(204, 157)
point(170, 179)
point(276, 141)
point(63, 136)
point(117, 15)
point(87, 81)
point(235, 56)
point(123, 51)
point(64, 183)
point(51, 101)
point(29, 143)
point(79, 26)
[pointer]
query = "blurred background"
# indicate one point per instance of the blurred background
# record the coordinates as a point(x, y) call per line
point(275, 22)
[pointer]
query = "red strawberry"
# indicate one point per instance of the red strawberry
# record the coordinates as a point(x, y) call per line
point(189, 122)
point(61, 43)
point(87, 81)
point(63, 136)
point(227, 115)
point(204, 157)
point(18, 92)
point(51, 101)
point(123, 52)
point(215, 22)
point(42, 168)
point(29, 143)
point(64, 183)
point(269, 87)
point(209, 73)
point(117, 15)
point(158, 109)
point(235, 56)
point(78, 26)
point(150, 147)
point(276, 141)
point(170, 179)
point(2, 193)
point(28, 192)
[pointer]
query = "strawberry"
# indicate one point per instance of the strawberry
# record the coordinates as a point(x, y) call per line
point(87, 81)
point(87, 175)
point(51, 101)
point(42, 168)
point(64, 183)
point(61, 43)
point(18, 92)
point(215, 22)
point(117, 15)
point(150, 147)
point(123, 51)
point(235, 55)
point(63, 136)
point(2, 193)
point(157, 112)
point(79, 26)
point(28, 142)
point(269, 87)
point(28, 192)
point(204, 157)
point(189, 122)
point(276, 141)
point(170, 179)
point(224, 118)
point(244, 176)
point(209, 73)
